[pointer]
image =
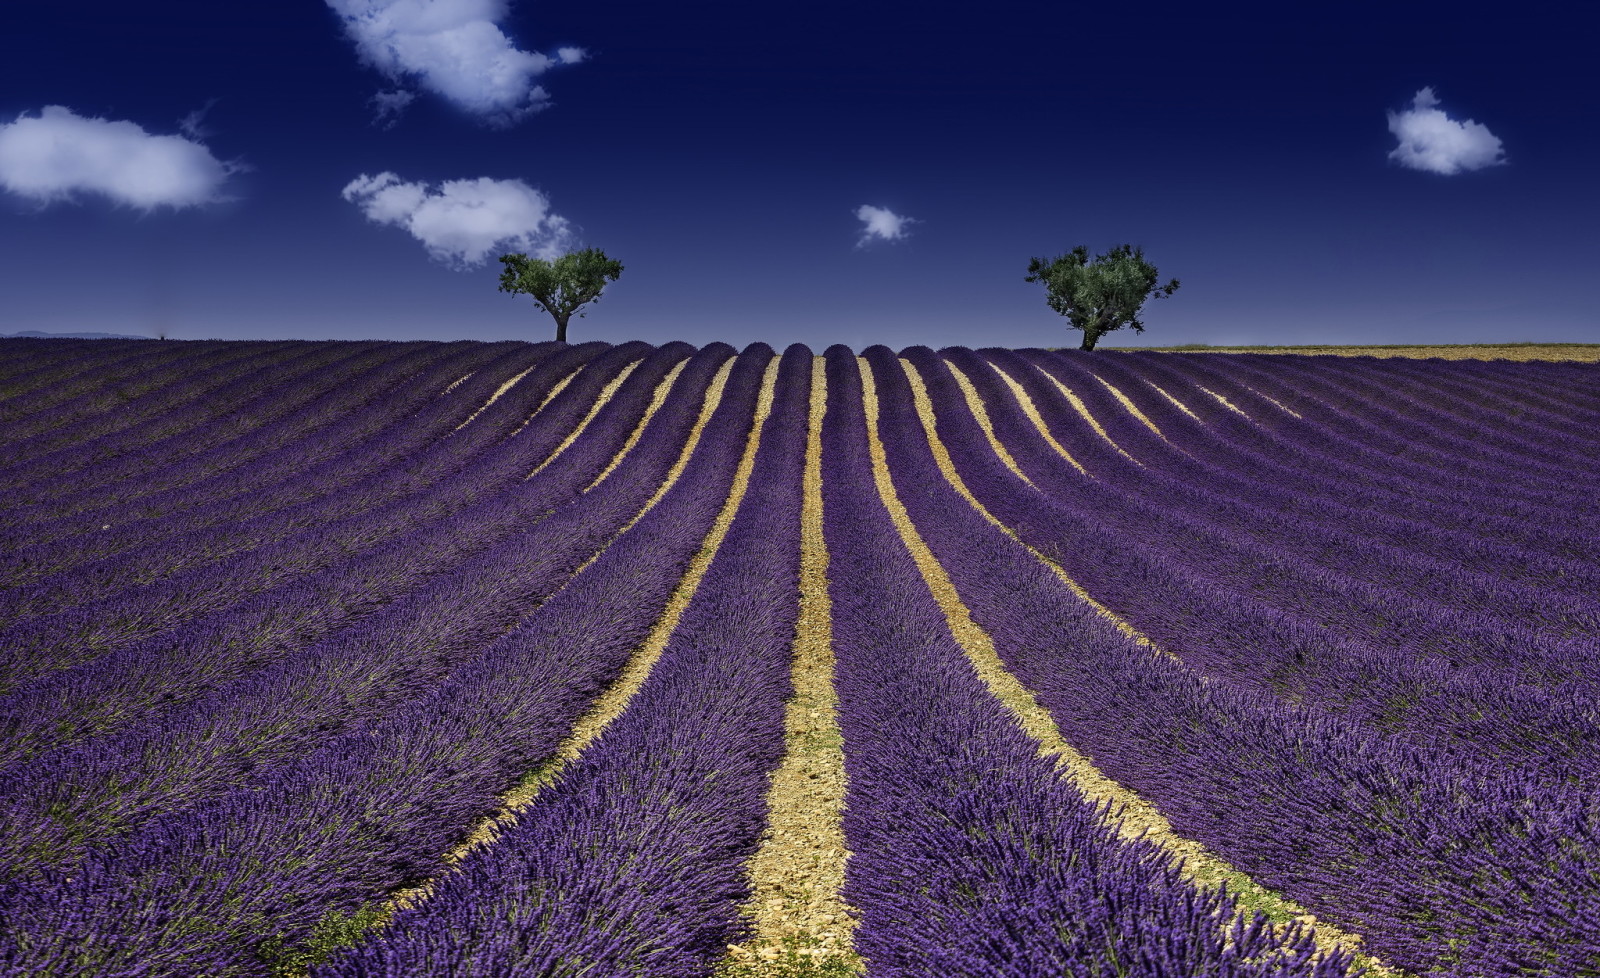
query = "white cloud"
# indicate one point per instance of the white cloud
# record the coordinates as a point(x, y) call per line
point(454, 49)
point(464, 221)
point(881, 223)
point(58, 154)
point(1432, 141)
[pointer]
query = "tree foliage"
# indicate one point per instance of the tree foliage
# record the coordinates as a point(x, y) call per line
point(1101, 295)
point(562, 286)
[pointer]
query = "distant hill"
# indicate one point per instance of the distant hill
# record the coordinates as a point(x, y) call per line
point(36, 334)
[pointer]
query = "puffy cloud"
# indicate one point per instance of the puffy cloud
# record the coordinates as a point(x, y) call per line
point(1432, 141)
point(453, 48)
point(881, 223)
point(58, 154)
point(464, 221)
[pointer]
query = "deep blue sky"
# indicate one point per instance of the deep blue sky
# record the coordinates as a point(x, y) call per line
point(721, 151)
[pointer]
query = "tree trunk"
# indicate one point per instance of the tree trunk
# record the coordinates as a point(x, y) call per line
point(561, 329)
point(1090, 338)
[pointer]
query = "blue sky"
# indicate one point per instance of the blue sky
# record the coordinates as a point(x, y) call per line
point(861, 172)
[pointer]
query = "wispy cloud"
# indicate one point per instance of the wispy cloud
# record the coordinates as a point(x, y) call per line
point(390, 106)
point(1430, 140)
point(881, 223)
point(58, 154)
point(464, 221)
point(453, 48)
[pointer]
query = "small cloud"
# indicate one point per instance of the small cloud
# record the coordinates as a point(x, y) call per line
point(1432, 141)
point(58, 154)
point(464, 221)
point(453, 48)
point(881, 223)
point(390, 106)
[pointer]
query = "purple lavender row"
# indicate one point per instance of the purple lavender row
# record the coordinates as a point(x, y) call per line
point(1419, 390)
point(1447, 454)
point(332, 445)
point(634, 861)
point(1207, 604)
point(1191, 462)
point(1467, 439)
point(1516, 394)
point(1365, 445)
point(970, 855)
point(1368, 445)
point(210, 891)
point(1405, 509)
point(1442, 870)
point(386, 504)
point(38, 375)
point(242, 729)
point(192, 397)
point(342, 415)
point(1371, 481)
point(188, 430)
point(201, 406)
point(1422, 598)
point(93, 393)
point(411, 495)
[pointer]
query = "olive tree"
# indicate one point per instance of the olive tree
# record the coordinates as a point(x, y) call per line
point(1101, 295)
point(560, 287)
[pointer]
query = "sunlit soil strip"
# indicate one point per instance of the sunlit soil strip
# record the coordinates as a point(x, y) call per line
point(610, 704)
point(1085, 413)
point(797, 872)
point(1225, 402)
point(1175, 402)
point(557, 388)
point(1137, 818)
point(662, 390)
point(1277, 403)
point(1032, 411)
point(494, 397)
point(975, 405)
point(1133, 409)
point(594, 409)
point(941, 455)
point(464, 378)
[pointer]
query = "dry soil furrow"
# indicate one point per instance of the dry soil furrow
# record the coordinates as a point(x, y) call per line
point(796, 874)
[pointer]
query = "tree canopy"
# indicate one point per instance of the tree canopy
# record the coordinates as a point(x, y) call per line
point(560, 287)
point(1102, 295)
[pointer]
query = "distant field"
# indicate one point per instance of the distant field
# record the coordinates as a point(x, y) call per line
point(366, 659)
point(1452, 351)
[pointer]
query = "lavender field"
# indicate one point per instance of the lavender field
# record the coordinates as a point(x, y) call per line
point(374, 659)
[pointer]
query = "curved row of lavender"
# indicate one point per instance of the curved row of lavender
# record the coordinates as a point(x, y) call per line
point(219, 724)
point(274, 465)
point(970, 855)
point(633, 861)
point(212, 889)
point(341, 415)
point(1332, 638)
point(181, 408)
point(289, 547)
point(1447, 863)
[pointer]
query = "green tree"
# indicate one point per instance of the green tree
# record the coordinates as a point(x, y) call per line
point(562, 286)
point(1101, 295)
